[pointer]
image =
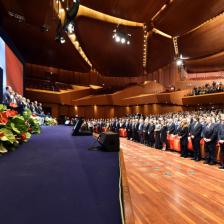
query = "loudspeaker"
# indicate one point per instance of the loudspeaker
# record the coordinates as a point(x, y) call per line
point(110, 141)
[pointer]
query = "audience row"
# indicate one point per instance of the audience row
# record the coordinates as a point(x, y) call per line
point(215, 87)
point(157, 130)
point(20, 103)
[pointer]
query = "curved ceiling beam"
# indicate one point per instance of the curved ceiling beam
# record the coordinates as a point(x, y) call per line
point(203, 24)
point(61, 13)
point(85, 11)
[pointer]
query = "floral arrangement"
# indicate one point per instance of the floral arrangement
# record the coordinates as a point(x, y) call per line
point(15, 129)
point(49, 121)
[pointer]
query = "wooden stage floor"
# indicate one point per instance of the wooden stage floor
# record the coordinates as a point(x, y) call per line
point(166, 188)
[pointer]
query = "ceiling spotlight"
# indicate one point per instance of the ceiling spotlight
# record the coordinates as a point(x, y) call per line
point(117, 39)
point(179, 62)
point(121, 37)
point(62, 40)
point(114, 36)
point(70, 28)
point(123, 40)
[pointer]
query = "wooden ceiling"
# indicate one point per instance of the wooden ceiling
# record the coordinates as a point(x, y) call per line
point(182, 18)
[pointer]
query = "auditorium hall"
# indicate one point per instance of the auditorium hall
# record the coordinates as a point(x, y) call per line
point(112, 112)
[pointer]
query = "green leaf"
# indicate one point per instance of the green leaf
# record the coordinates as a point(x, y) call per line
point(28, 135)
point(8, 135)
point(3, 149)
point(27, 114)
point(20, 124)
point(4, 139)
point(2, 108)
point(16, 130)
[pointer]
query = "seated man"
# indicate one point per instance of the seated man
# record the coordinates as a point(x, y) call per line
point(7, 99)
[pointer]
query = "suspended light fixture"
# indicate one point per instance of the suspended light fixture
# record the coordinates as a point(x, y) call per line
point(121, 37)
point(123, 40)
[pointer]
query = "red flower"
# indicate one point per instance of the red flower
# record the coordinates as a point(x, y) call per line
point(3, 118)
point(13, 105)
point(23, 136)
point(10, 113)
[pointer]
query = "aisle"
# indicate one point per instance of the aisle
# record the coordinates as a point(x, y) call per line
point(54, 179)
point(168, 189)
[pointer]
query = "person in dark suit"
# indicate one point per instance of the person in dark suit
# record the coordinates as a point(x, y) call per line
point(210, 137)
point(195, 134)
point(133, 129)
point(163, 135)
point(170, 127)
point(117, 126)
point(145, 131)
point(128, 128)
point(140, 131)
point(7, 99)
point(151, 138)
point(32, 108)
point(136, 137)
point(221, 140)
point(183, 133)
point(158, 144)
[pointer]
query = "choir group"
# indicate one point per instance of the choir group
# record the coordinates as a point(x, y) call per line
point(154, 130)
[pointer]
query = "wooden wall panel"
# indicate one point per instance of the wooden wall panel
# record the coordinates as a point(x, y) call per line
point(207, 99)
point(190, 84)
point(113, 111)
point(165, 76)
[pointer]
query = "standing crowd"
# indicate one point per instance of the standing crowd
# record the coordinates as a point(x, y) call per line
point(154, 131)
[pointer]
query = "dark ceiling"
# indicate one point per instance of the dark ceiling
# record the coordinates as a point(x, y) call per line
point(95, 37)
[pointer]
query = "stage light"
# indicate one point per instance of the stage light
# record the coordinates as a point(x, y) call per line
point(123, 40)
point(70, 28)
point(121, 37)
point(62, 40)
point(117, 39)
point(114, 36)
point(179, 62)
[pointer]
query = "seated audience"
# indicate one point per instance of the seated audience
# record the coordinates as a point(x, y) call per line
point(215, 87)
point(13, 100)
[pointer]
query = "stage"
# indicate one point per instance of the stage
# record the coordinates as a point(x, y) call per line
point(55, 179)
point(167, 189)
